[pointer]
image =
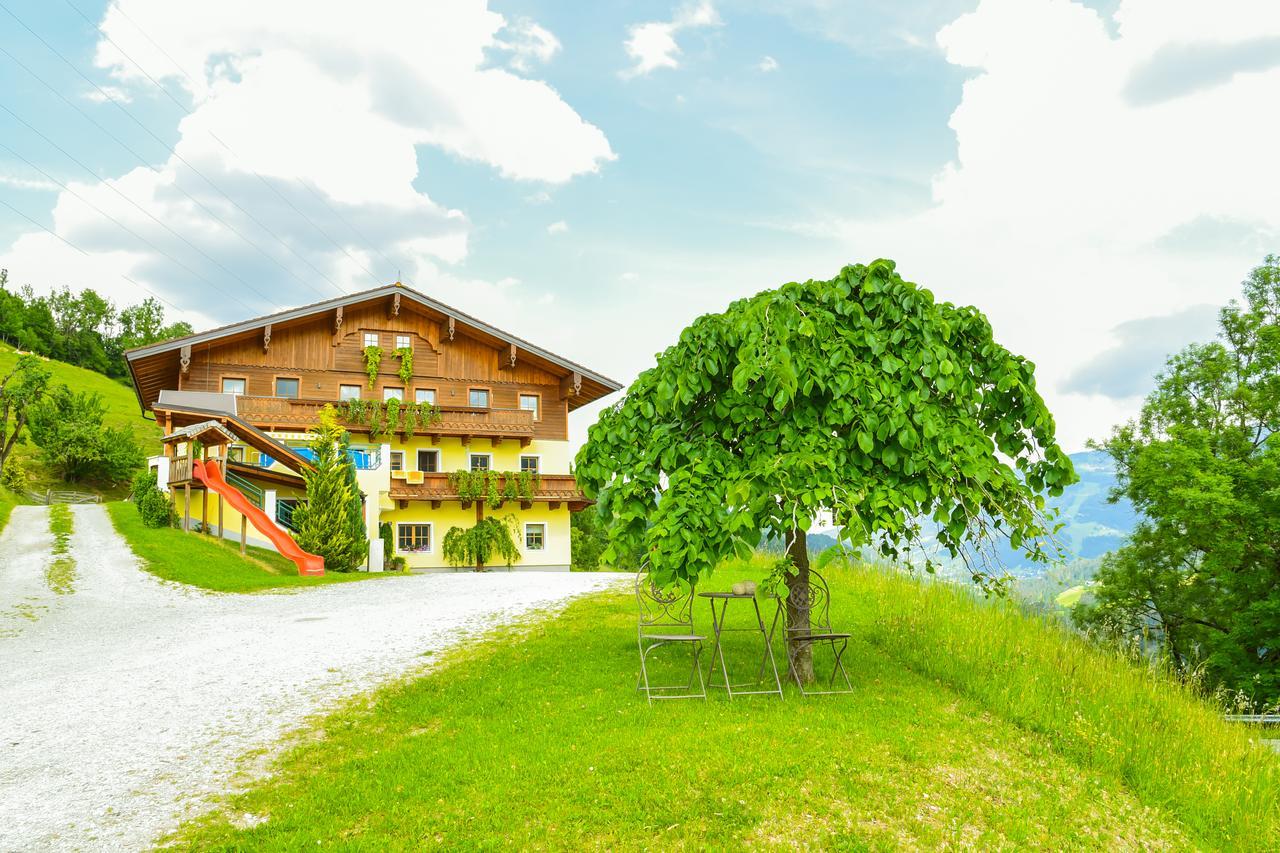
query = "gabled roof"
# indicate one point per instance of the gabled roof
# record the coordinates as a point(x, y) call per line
point(595, 383)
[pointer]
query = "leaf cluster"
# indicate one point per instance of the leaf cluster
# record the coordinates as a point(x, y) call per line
point(861, 397)
point(478, 545)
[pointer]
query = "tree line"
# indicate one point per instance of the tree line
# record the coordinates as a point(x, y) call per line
point(85, 329)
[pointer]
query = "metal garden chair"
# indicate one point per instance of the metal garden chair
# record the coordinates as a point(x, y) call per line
point(816, 604)
point(666, 618)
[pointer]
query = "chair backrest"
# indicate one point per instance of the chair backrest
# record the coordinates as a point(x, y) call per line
point(663, 608)
point(815, 601)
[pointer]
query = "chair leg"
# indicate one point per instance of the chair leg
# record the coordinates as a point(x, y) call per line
point(644, 673)
point(844, 645)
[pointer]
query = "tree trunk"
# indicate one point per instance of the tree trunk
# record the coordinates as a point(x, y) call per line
point(799, 655)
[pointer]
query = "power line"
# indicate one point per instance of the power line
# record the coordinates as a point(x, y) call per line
point(172, 151)
point(120, 224)
point(145, 164)
point(178, 67)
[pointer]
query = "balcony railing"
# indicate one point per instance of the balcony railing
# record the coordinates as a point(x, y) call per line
point(283, 412)
point(436, 487)
point(179, 469)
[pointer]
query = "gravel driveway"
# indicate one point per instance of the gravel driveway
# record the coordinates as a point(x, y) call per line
point(127, 703)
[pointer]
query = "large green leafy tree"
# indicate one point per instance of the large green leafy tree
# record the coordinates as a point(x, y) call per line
point(21, 391)
point(1201, 573)
point(861, 397)
point(323, 523)
point(67, 426)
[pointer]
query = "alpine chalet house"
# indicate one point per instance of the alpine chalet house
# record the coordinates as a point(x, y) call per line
point(434, 400)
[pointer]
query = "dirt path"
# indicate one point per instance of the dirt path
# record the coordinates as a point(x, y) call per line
point(129, 701)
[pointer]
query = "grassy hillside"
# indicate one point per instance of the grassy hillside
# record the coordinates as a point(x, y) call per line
point(971, 726)
point(119, 400)
point(210, 563)
point(8, 500)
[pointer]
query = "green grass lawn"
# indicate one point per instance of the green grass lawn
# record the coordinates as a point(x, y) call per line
point(121, 411)
point(971, 725)
point(210, 563)
point(8, 500)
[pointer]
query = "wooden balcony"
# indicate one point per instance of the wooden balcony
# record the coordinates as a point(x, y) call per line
point(553, 489)
point(179, 470)
point(283, 414)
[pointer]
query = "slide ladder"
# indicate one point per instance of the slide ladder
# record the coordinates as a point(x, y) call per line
point(210, 475)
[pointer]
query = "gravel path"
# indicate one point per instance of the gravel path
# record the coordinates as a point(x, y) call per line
point(126, 704)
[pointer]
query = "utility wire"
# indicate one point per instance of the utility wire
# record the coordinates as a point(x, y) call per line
point(120, 224)
point(146, 164)
point(194, 86)
point(172, 151)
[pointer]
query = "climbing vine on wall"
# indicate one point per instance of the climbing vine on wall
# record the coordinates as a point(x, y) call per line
point(405, 354)
point(372, 361)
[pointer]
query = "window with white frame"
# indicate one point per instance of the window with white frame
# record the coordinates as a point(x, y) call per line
point(413, 538)
point(404, 342)
point(371, 339)
point(397, 460)
point(429, 461)
point(232, 386)
point(529, 463)
point(478, 398)
point(392, 394)
point(480, 461)
point(425, 395)
point(530, 402)
point(535, 537)
point(348, 392)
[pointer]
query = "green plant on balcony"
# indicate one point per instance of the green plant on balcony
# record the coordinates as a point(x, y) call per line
point(427, 414)
point(405, 354)
point(493, 489)
point(510, 486)
point(527, 482)
point(372, 362)
point(470, 485)
point(392, 416)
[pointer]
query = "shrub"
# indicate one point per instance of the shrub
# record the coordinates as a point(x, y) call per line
point(476, 545)
point(152, 504)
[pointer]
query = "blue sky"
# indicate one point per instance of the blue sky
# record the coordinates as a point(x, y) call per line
point(1093, 176)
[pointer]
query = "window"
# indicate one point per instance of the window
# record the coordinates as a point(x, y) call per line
point(480, 461)
point(397, 460)
point(392, 394)
point(287, 388)
point(413, 538)
point(529, 463)
point(404, 342)
point(535, 537)
point(348, 392)
point(429, 460)
point(425, 395)
point(235, 453)
point(479, 398)
point(232, 386)
point(529, 402)
point(371, 339)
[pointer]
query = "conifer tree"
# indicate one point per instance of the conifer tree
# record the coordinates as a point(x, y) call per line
point(323, 524)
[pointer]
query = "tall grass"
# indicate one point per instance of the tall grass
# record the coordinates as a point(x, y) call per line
point(1099, 706)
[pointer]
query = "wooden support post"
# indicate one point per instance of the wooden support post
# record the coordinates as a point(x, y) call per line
point(204, 510)
point(244, 530)
point(186, 509)
point(222, 530)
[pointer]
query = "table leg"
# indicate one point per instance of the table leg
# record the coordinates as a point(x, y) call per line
point(768, 647)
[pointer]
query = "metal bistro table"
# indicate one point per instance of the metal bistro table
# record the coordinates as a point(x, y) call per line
point(717, 653)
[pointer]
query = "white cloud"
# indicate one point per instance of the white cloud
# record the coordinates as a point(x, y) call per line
point(559, 227)
point(630, 276)
point(21, 183)
point(767, 64)
point(309, 121)
point(1058, 214)
point(105, 94)
point(652, 45)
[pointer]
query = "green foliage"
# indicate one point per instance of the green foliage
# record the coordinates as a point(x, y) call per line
point(372, 362)
point(1202, 466)
point(383, 419)
point(494, 487)
point(74, 443)
point(405, 354)
point(22, 390)
point(388, 537)
point(153, 506)
point(860, 396)
point(589, 540)
point(478, 545)
point(83, 329)
point(397, 564)
point(326, 522)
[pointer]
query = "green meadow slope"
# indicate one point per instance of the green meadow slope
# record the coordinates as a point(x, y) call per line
point(121, 411)
point(972, 725)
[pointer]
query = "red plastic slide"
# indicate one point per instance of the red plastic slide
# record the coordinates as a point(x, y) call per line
point(210, 475)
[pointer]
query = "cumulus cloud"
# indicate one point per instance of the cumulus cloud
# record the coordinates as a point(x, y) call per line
point(560, 227)
point(1142, 346)
point(1064, 209)
point(767, 64)
point(652, 45)
point(293, 175)
point(1180, 69)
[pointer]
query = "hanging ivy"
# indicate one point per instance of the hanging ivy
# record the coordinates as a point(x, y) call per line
point(490, 537)
point(372, 361)
point(405, 354)
point(470, 485)
point(527, 483)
